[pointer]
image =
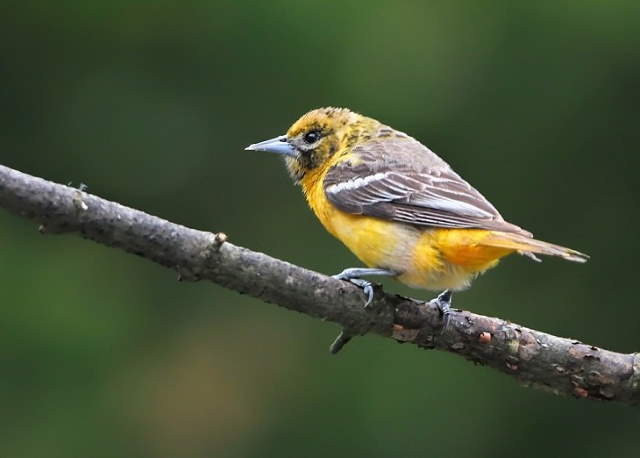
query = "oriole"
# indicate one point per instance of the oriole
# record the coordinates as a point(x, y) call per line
point(396, 205)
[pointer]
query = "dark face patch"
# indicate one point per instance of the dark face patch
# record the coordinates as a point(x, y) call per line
point(312, 155)
point(322, 133)
point(315, 140)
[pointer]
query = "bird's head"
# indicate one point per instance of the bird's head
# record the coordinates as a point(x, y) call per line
point(313, 139)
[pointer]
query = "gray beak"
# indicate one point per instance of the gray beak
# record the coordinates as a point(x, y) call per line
point(278, 145)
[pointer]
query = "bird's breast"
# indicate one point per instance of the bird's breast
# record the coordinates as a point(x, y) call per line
point(425, 258)
point(376, 242)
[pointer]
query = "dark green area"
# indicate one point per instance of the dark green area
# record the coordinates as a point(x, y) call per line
point(152, 103)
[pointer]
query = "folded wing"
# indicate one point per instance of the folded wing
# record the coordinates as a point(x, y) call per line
point(399, 179)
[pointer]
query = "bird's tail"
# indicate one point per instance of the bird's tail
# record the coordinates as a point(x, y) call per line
point(530, 247)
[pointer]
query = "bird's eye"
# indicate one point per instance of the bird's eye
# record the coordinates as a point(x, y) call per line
point(311, 137)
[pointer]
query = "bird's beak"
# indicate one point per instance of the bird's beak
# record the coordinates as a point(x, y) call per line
point(278, 145)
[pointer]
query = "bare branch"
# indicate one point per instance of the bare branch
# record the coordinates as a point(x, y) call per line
point(562, 366)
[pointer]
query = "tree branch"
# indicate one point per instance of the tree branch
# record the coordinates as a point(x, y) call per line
point(559, 365)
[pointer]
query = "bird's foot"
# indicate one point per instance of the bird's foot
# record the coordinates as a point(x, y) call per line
point(353, 276)
point(443, 302)
point(367, 289)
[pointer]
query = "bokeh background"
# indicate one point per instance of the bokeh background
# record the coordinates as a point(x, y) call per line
point(151, 103)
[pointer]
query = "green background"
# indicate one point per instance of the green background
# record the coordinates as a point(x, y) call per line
point(151, 104)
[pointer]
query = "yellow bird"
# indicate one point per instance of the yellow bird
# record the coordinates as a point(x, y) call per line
point(397, 206)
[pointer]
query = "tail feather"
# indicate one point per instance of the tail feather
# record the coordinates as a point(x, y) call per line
point(530, 246)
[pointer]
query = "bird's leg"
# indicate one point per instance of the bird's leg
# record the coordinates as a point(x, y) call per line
point(443, 302)
point(353, 275)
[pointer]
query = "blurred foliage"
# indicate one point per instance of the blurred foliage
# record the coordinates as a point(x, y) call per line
point(151, 104)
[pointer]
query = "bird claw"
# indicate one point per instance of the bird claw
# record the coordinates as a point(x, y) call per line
point(367, 286)
point(443, 302)
point(367, 289)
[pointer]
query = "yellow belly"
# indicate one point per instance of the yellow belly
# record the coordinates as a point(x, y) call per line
point(377, 243)
point(433, 259)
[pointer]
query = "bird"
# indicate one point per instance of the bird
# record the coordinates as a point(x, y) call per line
point(398, 206)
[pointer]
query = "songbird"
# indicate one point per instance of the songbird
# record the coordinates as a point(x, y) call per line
point(398, 206)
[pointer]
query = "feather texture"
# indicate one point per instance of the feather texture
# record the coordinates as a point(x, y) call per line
point(400, 179)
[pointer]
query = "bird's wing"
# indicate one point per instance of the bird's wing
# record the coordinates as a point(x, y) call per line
point(399, 179)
